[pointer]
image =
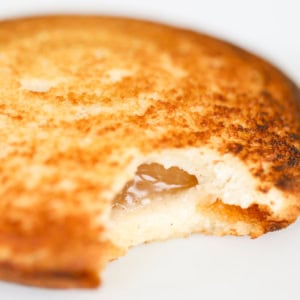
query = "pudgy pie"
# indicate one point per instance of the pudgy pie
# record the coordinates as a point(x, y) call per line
point(115, 132)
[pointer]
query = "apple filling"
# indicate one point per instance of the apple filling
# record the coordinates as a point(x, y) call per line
point(160, 203)
point(152, 181)
point(156, 202)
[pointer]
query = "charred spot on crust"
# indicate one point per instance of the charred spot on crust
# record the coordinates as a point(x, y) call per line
point(235, 148)
point(285, 182)
point(295, 136)
point(280, 167)
point(295, 151)
point(262, 127)
point(292, 162)
point(275, 226)
point(263, 189)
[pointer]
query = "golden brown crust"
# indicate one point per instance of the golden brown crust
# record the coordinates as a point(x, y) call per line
point(56, 253)
point(77, 93)
point(259, 216)
point(47, 278)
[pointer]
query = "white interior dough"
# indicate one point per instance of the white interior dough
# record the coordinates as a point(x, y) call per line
point(223, 178)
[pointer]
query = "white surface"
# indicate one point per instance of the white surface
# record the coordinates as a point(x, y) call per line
point(200, 267)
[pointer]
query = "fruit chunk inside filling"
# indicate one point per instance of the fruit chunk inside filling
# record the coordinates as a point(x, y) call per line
point(152, 181)
point(160, 203)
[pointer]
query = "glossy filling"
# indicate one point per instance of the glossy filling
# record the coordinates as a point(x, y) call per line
point(152, 181)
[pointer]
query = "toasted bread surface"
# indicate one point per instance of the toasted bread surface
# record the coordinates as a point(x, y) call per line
point(84, 100)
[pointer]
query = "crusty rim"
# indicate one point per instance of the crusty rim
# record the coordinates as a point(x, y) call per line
point(48, 279)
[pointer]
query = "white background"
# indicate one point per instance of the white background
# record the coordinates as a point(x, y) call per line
point(200, 267)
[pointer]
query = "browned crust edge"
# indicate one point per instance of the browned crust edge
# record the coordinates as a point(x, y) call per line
point(258, 216)
point(48, 279)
